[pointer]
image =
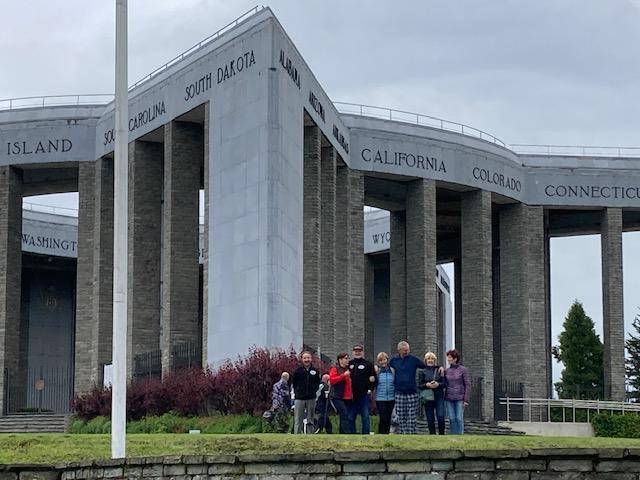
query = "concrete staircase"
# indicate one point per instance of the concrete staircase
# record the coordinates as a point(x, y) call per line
point(473, 427)
point(34, 423)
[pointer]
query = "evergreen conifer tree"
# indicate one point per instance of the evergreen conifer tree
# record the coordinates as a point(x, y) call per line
point(633, 361)
point(581, 352)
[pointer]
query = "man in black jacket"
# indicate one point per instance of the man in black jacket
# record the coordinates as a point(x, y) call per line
point(363, 381)
point(305, 383)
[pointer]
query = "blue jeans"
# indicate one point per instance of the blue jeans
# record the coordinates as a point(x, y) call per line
point(455, 412)
point(361, 407)
point(343, 407)
point(436, 405)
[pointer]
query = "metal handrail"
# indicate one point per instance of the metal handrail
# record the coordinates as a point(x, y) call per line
point(544, 405)
point(104, 99)
point(519, 148)
point(52, 209)
point(198, 45)
point(416, 118)
point(376, 112)
point(65, 211)
point(55, 101)
point(576, 150)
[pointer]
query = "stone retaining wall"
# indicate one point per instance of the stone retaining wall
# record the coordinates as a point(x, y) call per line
point(567, 464)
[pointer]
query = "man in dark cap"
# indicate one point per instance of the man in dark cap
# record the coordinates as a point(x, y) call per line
point(363, 381)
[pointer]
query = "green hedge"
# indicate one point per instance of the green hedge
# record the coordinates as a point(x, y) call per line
point(173, 423)
point(617, 425)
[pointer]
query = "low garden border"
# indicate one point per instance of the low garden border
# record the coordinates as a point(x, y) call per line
point(535, 464)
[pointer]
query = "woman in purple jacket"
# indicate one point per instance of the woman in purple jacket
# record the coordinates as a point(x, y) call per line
point(457, 394)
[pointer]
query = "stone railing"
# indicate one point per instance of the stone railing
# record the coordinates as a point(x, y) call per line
point(537, 464)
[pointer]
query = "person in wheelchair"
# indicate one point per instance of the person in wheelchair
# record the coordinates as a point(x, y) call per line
point(324, 407)
point(281, 404)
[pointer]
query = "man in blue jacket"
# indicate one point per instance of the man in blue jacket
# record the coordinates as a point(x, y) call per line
point(405, 366)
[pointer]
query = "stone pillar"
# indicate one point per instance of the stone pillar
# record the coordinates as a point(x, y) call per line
point(101, 337)
point(547, 302)
point(420, 263)
point(398, 278)
point(205, 256)
point(10, 273)
point(457, 303)
point(327, 251)
point(613, 304)
point(83, 380)
point(312, 256)
point(349, 247)
point(524, 334)
point(183, 153)
point(441, 325)
point(477, 297)
point(343, 289)
point(369, 296)
point(356, 248)
point(495, 305)
point(145, 220)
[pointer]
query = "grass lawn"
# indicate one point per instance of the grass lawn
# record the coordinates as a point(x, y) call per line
point(55, 448)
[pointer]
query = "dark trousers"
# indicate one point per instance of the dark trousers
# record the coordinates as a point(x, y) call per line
point(435, 407)
point(281, 421)
point(343, 407)
point(361, 407)
point(385, 408)
point(323, 421)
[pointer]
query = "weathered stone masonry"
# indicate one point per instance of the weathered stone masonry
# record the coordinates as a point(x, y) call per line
point(183, 153)
point(349, 246)
point(10, 270)
point(524, 319)
point(311, 236)
point(398, 278)
point(476, 283)
point(102, 269)
point(84, 277)
point(327, 251)
point(536, 464)
point(145, 210)
point(421, 266)
point(613, 304)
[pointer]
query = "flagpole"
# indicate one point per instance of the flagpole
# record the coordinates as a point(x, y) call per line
point(120, 254)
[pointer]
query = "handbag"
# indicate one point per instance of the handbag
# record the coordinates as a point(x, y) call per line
point(427, 394)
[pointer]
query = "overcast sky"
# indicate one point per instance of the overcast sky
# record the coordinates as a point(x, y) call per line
point(549, 71)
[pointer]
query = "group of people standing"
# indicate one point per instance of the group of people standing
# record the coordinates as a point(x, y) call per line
point(402, 385)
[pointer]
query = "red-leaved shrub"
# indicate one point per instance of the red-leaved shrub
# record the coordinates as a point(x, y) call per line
point(223, 391)
point(187, 390)
point(157, 400)
point(243, 386)
point(94, 403)
point(257, 373)
point(147, 397)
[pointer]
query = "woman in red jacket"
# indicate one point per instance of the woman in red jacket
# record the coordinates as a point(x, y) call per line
point(341, 393)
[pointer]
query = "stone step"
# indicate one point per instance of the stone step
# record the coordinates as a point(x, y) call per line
point(31, 423)
point(473, 427)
